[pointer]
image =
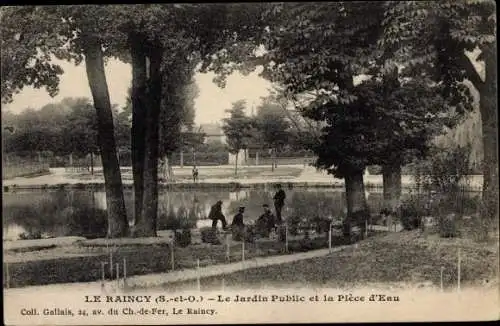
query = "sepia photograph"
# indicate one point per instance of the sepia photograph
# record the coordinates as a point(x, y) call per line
point(250, 162)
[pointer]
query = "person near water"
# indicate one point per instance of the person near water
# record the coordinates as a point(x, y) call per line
point(195, 174)
point(266, 222)
point(279, 202)
point(238, 226)
point(216, 214)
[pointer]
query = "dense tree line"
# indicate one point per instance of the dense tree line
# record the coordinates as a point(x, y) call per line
point(61, 129)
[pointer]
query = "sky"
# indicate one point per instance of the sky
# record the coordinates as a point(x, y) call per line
point(211, 103)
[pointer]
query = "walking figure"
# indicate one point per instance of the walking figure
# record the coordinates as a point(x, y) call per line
point(216, 214)
point(195, 174)
point(279, 202)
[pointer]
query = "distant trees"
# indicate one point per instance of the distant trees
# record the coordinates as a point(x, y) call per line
point(238, 130)
point(271, 127)
point(65, 128)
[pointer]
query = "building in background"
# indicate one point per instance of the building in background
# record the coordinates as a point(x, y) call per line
point(213, 132)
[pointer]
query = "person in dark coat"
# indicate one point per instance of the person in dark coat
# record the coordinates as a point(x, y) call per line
point(195, 174)
point(237, 226)
point(238, 218)
point(279, 202)
point(266, 222)
point(216, 214)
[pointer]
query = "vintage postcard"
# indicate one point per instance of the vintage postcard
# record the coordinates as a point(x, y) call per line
point(250, 163)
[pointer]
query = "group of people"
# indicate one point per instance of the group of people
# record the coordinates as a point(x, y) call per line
point(264, 224)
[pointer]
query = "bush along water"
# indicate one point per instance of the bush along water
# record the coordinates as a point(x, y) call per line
point(316, 213)
point(58, 214)
point(443, 199)
point(180, 221)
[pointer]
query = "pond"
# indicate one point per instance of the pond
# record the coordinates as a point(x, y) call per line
point(45, 213)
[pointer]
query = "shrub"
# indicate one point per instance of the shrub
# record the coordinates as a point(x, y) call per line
point(293, 224)
point(183, 238)
point(410, 219)
point(88, 222)
point(209, 235)
point(444, 169)
point(169, 220)
point(448, 226)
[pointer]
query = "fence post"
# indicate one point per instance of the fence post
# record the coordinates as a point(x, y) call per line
point(7, 276)
point(117, 276)
point(286, 237)
point(243, 251)
point(124, 273)
point(458, 270)
point(228, 248)
point(442, 270)
point(172, 259)
point(110, 260)
point(330, 237)
point(103, 275)
point(198, 283)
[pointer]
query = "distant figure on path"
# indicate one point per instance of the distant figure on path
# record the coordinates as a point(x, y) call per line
point(216, 214)
point(195, 174)
point(266, 222)
point(237, 226)
point(279, 202)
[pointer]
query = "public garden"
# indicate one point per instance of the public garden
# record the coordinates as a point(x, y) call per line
point(389, 164)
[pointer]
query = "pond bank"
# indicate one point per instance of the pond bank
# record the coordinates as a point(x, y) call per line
point(203, 185)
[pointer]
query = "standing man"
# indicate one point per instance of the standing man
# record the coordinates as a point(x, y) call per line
point(195, 173)
point(216, 214)
point(279, 202)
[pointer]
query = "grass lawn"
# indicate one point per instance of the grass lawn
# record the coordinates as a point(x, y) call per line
point(402, 258)
point(78, 263)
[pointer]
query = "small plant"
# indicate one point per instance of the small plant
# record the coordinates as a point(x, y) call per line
point(183, 238)
point(209, 235)
point(293, 224)
point(169, 220)
point(448, 226)
point(411, 212)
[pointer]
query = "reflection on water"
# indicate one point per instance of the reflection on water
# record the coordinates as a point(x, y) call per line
point(82, 212)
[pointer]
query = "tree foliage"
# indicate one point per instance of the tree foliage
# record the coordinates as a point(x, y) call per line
point(62, 128)
point(237, 128)
point(272, 124)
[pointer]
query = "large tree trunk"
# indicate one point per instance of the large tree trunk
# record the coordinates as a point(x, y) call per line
point(146, 226)
point(391, 175)
point(117, 217)
point(139, 107)
point(489, 119)
point(356, 200)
